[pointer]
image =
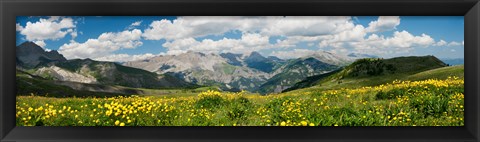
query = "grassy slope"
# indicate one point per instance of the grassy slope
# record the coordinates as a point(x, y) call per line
point(438, 73)
point(28, 84)
point(355, 75)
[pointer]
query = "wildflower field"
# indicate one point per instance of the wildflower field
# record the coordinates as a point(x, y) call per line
point(429, 102)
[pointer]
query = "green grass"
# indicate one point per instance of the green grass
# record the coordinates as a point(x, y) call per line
point(439, 73)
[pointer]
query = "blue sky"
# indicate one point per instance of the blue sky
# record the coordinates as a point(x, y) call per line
point(125, 38)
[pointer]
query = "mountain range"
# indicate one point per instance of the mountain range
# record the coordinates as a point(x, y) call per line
point(227, 71)
point(252, 72)
point(32, 60)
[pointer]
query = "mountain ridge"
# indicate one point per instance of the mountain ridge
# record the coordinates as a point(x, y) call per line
point(30, 55)
point(53, 66)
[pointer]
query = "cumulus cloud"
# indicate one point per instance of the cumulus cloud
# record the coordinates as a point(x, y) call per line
point(441, 43)
point(247, 43)
point(199, 26)
point(125, 39)
point(18, 27)
point(52, 28)
point(74, 34)
point(448, 44)
point(454, 43)
point(104, 45)
point(399, 42)
point(404, 39)
point(136, 23)
point(338, 34)
point(125, 57)
point(384, 23)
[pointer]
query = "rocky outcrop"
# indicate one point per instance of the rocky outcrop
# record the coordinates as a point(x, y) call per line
point(57, 73)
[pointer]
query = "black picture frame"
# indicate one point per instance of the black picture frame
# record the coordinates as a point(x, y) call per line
point(9, 9)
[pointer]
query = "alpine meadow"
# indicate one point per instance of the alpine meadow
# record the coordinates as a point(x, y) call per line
point(240, 71)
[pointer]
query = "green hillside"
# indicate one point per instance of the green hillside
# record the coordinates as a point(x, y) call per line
point(439, 73)
point(371, 72)
point(28, 84)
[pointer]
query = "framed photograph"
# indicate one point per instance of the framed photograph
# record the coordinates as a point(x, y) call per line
point(239, 70)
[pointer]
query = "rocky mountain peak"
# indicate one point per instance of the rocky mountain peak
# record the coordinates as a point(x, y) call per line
point(30, 47)
point(253, 56)
point(31, 55)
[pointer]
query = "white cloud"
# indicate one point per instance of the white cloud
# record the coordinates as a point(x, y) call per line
point(125, 57)
point(441, 43)
point(199, 26)
point(74, 34)
point(247, 43)
point(404, 39)
point(306, 26)
point(454, 43)
point(384, 23)
point(103, 46)
point(18, 27)
point(136, 23)
point(335, 33)
point(52, 28)
point(125, 39)
point(399, 42)
point(355, 33)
